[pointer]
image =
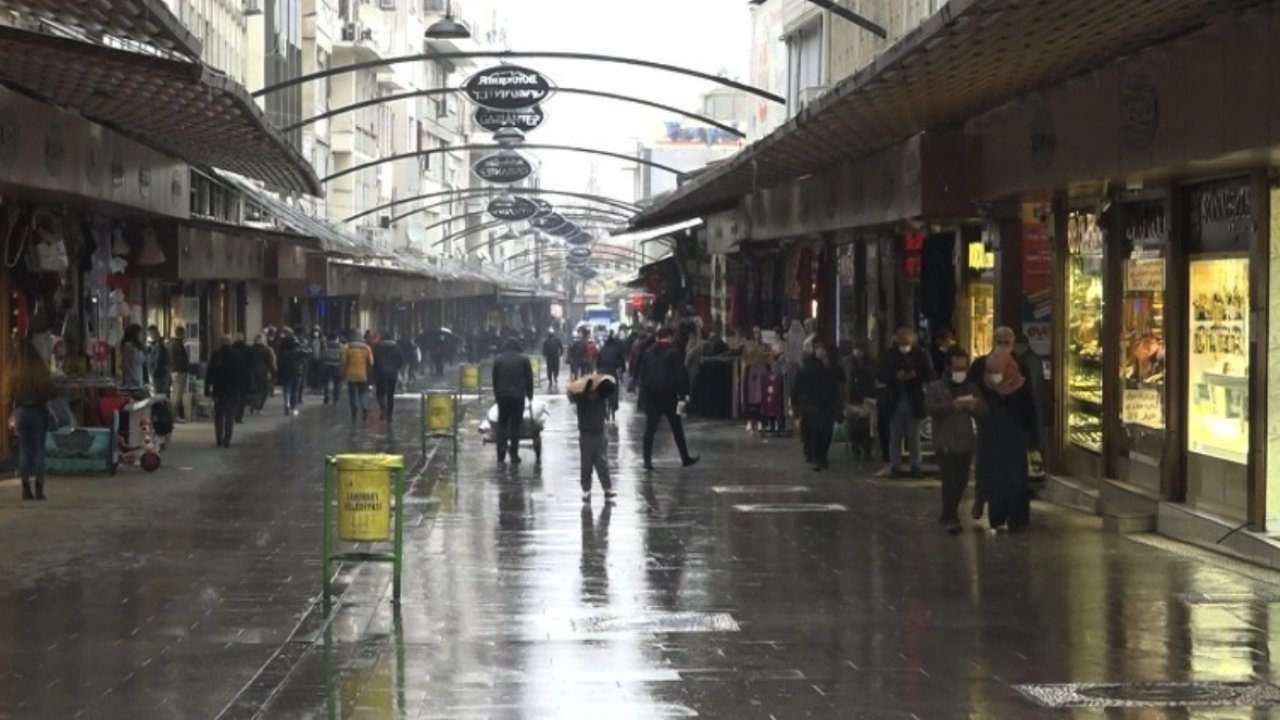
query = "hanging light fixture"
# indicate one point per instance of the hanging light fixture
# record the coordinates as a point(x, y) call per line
point(447, 28)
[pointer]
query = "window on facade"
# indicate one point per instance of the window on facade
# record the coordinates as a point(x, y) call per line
point(804, 63)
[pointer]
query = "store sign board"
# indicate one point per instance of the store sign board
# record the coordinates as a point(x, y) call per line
point(580, 252)
point(544, 207)
point(508, 87)
point(550, 222)
point(580, 238)
point(526, 120)
point(512, 209)
point(502, 167)
point(1221, 216)
point(1146, 275)
point(1142, 406)
point(564, 230)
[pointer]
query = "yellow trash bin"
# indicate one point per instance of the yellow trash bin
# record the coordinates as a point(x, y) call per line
point(536, 363)
point(439, 412)
point(365, 488)
point(470, 379)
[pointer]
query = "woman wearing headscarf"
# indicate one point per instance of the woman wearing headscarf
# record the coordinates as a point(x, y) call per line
point(31, 389)
point(1004, 436)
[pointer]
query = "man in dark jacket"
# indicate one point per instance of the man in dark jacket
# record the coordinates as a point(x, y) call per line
point(289, 370)
point(578, 365)
point(512, 386)
point(663, 381)
point(388, 361)
point(222, 382)
point(552, 351)
point(816, 398)
point(905, 370)
point(243, 355)
point(180, 361)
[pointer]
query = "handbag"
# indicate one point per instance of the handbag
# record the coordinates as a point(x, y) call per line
point(1035, 464)
point(49, 252)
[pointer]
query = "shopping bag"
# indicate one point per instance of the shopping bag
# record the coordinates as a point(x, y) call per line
point(1035, 464)
point(837, 434)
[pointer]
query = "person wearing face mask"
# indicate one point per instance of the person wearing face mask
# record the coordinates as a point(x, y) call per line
point(816, 398)
point(953, 402)
point(859, 388)
point(905, 370)
point(944, 342)
point(1003, 339)
point(1005, 434)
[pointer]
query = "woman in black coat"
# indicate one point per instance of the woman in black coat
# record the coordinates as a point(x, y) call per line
point(1005, 435)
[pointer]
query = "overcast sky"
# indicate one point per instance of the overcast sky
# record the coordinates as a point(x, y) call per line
point(708, 35)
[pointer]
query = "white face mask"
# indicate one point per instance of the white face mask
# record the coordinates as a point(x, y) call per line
point(904, 349)
point(958, 377)
point(996, 378)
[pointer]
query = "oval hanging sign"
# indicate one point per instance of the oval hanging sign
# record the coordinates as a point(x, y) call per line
point(580, 238)
point(564, 230)
point(512, 209)
point(503, 167)
point(550, 222)
point(580, 252)
point(586, 273)
point(508, 87)
point(544, 207)
point(526, 120)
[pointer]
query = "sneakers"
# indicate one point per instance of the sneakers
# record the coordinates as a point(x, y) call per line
point(610, 495)
point(954, 528)
point(586, 496)
point(690, 462)
point(884, 472)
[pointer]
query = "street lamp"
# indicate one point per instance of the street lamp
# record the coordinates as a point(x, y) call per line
point(447, 28)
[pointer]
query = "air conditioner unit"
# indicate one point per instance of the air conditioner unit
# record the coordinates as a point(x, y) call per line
point(366, 35)
point(252, 7)
point(351, 31)
point(387, 4)
point(810, 94)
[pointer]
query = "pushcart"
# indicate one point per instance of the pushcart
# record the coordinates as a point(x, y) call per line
point(531, 426)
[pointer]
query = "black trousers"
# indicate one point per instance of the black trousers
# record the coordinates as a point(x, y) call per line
point(386, 392)
point(224, 417)
point(816, 431)
point(955, 478)
point(553, 370)
point(651, 419)
point(510, 415)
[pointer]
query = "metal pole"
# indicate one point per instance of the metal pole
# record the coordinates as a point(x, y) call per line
point(327, 547)
point(398, 562)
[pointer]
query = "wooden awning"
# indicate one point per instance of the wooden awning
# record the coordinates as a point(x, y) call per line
point(971, 56)
point(179, 107)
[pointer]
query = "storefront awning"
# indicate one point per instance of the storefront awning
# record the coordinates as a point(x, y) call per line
point(296, 221)
point(971, 56)
point(178, 107)
point(145, 22)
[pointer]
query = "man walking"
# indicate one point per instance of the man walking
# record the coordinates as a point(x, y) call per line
point(222, 382)
point(512, 386)
point(180, 361)
point(552, 351)
point(591, 394)
point(663, 381)
point(331, 368)
point(816, 398)
point(905, 371)
point(357, 365)
point(289, 370)
point(388, 361)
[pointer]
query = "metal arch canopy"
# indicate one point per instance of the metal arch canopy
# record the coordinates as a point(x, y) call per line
point(504, 167)
point(525, 120)
point(512, 208)
point(499, 148)
point(508, 87)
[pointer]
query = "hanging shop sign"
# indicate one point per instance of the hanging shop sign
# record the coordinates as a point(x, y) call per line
point(508, 87)
point(586, 273)
point(550, 222)
point(526, 120)
point(544, 207)
point(581, 237)
point(512, 209)
point(564, 230)
point(502, 167)
point(580, 252)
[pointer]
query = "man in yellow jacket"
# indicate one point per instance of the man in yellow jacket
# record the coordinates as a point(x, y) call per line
point(357, 368)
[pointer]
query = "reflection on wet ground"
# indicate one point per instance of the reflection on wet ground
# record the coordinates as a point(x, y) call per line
point(747, 587)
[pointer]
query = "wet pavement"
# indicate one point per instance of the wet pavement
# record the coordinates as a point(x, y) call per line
point(746, 587)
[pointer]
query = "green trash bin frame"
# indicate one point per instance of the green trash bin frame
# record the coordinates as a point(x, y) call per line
point(395, 557)
point(456, 433)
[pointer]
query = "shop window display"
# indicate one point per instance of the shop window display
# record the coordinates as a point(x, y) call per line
point(1085, 242)
point(981, 299)
point(1142, 364)
point(1218, 365)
